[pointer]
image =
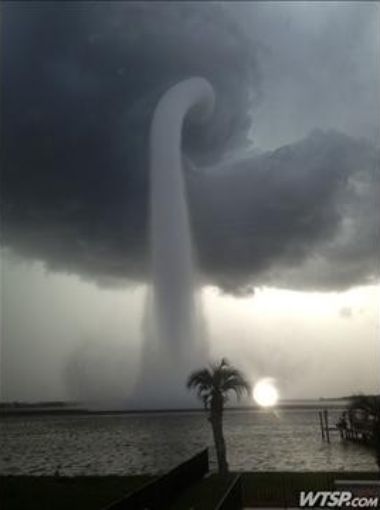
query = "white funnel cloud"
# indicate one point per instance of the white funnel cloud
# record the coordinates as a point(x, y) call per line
point(175, 342)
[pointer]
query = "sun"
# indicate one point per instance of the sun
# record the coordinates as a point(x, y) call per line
point(265, 393)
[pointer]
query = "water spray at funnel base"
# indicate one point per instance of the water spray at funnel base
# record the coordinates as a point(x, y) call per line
point(174, 332)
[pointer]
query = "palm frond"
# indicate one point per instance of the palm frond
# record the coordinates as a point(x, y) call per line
point(201, 377)
point(238, 385)
point(219, 379)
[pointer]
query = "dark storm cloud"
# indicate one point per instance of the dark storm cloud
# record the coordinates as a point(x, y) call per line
point(313, 203)
point(80, 82)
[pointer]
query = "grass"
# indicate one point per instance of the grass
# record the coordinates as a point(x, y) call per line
point(84, 493)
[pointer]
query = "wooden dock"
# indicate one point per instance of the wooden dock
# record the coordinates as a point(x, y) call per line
point(352, 429)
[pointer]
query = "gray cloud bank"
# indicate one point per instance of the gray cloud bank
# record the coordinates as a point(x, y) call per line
point(79, 88)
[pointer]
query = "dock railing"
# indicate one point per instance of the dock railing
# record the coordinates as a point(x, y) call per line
point(356, 428)
point(232, 499)
point(160, 493)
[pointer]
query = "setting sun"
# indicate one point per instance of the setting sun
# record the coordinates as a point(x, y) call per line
point(265, 393)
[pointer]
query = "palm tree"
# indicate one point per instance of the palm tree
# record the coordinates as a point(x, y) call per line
point(370, 406)
point(213, 386)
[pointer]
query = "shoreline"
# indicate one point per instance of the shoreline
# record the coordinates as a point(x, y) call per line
point(26, 411)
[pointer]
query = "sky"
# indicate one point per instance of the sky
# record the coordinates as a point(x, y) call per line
point(283, 186)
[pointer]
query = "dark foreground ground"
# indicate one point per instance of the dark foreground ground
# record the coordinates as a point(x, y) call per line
point(94, 493)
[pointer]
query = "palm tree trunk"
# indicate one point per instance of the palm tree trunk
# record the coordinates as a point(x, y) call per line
point(220, 445)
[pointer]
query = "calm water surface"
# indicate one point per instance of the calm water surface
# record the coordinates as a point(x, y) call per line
point(150, 443)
